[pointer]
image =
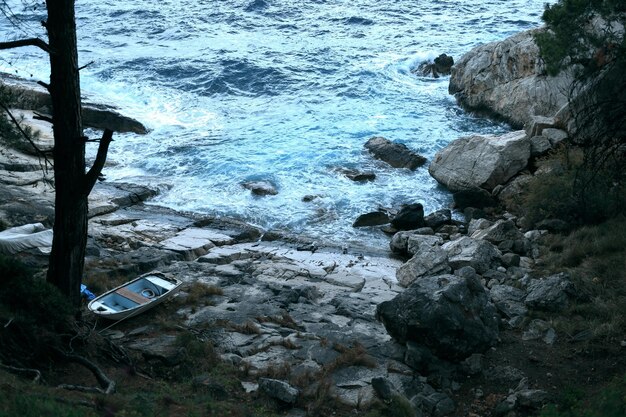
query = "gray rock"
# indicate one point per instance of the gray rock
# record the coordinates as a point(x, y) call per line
point(374, 218)
point(475, 162)
point(539, 145)
point(477, 224)
point(532, 398)
point(554, 136)
point(498, 232)
point(478, 254)
point(509, 300)
point(438, 218)
point(450, 315)
point(506, 78)
point(510, 259)
point(409, 242)
point(473, 365)
point(551, 293)
point(164, 348)
point(384, 388)
point(427, 261)
point(280, 390)
point(395, 154)
point(436, 404)
point(417, 243)
point(540, 329)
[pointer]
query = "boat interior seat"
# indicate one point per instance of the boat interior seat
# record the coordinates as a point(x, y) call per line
point(133, 296)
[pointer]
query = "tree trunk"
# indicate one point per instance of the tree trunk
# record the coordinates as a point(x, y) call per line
point(70, 221)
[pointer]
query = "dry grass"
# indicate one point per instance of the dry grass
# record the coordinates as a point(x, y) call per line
point(595, 257)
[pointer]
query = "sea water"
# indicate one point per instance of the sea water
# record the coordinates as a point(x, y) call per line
point(284, 91)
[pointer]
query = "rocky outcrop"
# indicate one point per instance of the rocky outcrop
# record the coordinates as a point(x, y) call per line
point(28, 95)
point(451, 315)
point(481, 161)
point(395, 154)
point(506, 79)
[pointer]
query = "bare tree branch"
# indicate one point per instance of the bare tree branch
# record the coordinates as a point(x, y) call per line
point(26, 42)
point(108, 385)
point(34, 372)
point(92, 176)
point(45, 118)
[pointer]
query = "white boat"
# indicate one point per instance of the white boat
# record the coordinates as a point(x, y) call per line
point(135, 296)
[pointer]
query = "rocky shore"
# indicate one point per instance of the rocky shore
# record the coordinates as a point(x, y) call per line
point(445, 321)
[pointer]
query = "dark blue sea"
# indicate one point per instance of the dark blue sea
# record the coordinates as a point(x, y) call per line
point(278, 90)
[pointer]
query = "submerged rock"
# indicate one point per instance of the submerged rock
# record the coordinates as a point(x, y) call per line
point(395, 154)
point(442, 65)
point(260, 188)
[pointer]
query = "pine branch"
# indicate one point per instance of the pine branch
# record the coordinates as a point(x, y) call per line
point(26, 42)
point(92, 176)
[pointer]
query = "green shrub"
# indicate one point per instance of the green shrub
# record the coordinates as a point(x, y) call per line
point(610, 402)
point(572, 193)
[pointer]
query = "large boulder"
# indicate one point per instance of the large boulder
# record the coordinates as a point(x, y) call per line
point(484, 162)
point(449, 314)
point(479, 254)
point(507, 79)
point(395, 154)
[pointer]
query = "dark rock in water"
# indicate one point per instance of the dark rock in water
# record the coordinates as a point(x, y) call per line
point(105, 117)
point(309, 197)
point(438, 218)
point(442, 65)
point(409, 217)
point(375, 218)
point(395, 154)
point(477, 198)
point(260, 188)
point(357, 176)
point(450, 315)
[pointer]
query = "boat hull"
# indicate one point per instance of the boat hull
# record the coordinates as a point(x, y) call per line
point(135, 297)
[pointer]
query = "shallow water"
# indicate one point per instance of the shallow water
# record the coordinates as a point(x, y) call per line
point(284, 91)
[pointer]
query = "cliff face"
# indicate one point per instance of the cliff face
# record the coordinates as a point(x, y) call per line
point(506, 79)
